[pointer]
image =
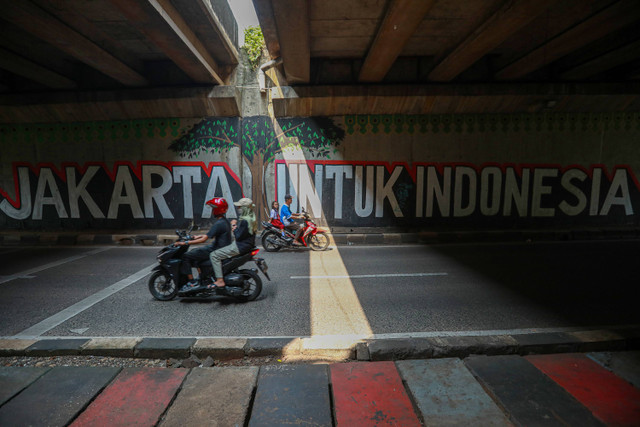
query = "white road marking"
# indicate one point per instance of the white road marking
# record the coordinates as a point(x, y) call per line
point(27, 273)
point(369, 276)
point(77, 308)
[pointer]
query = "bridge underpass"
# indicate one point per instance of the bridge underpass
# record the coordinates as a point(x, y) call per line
point(432, 116)
point(490, 114)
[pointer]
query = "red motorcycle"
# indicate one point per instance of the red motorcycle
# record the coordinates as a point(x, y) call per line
point(275, 236)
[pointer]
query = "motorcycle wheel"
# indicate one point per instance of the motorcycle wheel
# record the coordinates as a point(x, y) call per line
point(319, 241)
point(270, 242)
point(252, 285)
point(162, 287)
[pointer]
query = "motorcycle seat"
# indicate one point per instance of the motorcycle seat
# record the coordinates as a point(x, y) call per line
point(207, 263)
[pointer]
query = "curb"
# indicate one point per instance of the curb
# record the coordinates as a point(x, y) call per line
point(309, 348)
point(370, 237)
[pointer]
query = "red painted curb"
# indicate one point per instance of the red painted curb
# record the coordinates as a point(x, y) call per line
point(370, 394)
point(135, 397)
point(611, 399)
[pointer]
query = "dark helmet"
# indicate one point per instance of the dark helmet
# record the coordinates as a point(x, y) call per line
point(219, 206)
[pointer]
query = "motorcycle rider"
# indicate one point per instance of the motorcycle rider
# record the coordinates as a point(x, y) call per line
point(220, 232)
point(243, 241)
point(287, 218)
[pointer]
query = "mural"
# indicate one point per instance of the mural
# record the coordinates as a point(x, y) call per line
point(445, 171)
point(454, 195)
point(260, 140)
point(149, 194)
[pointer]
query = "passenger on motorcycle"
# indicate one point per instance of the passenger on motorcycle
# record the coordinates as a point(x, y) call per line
point(287, 218)
point(221, 234)
point(243, 241)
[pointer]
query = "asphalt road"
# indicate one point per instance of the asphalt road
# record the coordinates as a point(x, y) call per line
point(381, 290)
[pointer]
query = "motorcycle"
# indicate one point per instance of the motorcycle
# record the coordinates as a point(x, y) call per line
point(275, 237)
point(242, 284)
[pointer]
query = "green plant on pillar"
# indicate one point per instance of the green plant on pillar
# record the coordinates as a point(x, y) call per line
point(260, 139)
point(253, 45)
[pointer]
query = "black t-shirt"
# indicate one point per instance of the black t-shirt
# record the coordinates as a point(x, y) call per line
point(221, 232)
point(244, 239)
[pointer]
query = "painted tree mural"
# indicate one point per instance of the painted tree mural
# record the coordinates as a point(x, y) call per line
point(260, 140)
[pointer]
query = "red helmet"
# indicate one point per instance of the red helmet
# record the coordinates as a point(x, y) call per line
point(219, 206)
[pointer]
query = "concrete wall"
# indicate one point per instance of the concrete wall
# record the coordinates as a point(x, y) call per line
point(445, 172)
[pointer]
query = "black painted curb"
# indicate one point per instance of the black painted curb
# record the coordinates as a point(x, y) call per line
point(367, 237)
point(390, 349)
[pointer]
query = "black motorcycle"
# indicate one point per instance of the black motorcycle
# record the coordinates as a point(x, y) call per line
point(166, 280)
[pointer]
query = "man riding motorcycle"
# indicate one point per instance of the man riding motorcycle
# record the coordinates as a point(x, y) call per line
point(220, 233)
point(287, 218)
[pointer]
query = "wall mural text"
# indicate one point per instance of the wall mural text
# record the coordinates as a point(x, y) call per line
point(375, 193)
point(116, 193)
point(125, 195)
point(344, 193)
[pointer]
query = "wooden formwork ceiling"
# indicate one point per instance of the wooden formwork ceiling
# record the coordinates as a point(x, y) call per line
point(138, 58)
point(453, 56)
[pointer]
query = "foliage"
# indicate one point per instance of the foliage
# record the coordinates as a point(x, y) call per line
point(256, 136)
point(253, 45)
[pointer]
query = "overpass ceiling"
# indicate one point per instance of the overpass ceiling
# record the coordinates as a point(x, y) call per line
point(452, 56)
point(134, 54)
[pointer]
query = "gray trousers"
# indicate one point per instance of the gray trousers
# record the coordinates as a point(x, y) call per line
point(218, 255)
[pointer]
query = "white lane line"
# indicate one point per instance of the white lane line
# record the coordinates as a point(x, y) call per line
point(26, 273)
point(369, 276)
point(77, 308)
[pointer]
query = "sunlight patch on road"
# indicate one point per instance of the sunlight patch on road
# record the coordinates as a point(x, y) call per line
point(334, 305)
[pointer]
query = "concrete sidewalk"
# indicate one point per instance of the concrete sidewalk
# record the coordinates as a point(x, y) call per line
point(341, 236)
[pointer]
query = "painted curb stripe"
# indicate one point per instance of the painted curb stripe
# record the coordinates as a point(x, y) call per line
point(607, 396)
point(136, 397)
point(292, 395)
point(56, 397)
point(446, 393)
point(528, 395)
point(14, 380)
point(625, 364)
point(368, 394)
point(233, 385)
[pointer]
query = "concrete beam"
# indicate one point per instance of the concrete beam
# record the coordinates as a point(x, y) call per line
point(264, 12)
point(23, 67)
point(67, 12)
point(605, 62)
point(167, 29)
point(210, 15)
point(454, 98)
point(292, 22)
point(120, 105)
point(399, 24)
point(612, 18)
point(511, 17)
point(41, 24)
